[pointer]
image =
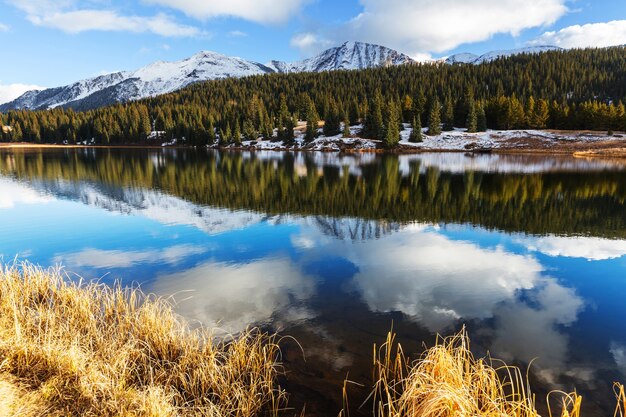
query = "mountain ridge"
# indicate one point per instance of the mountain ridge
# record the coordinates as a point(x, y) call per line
point(162, 77)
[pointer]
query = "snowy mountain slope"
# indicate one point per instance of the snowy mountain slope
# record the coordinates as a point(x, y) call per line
point(154, 79)
point(349, 56)
point(165, 77)
point(468, 58)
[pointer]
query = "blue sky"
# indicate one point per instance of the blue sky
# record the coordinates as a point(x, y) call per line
point(55, 42)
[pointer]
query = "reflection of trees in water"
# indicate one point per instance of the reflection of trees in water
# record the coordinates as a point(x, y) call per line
point(562, 203)
point(355, 229)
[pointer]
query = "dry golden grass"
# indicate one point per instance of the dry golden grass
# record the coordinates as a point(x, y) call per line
point(71, 349)
point(449, 381)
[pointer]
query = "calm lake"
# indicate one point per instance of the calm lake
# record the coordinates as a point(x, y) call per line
point(529, 252)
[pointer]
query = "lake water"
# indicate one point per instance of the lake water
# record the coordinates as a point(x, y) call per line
point(529, 252)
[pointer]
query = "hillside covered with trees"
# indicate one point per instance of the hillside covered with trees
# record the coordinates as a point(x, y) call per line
point(572, 90)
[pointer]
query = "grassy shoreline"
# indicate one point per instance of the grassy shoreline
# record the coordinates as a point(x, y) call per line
point(71, 348)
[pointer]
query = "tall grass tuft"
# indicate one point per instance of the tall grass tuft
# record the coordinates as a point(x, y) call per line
point(92, 350)
point(447, 380)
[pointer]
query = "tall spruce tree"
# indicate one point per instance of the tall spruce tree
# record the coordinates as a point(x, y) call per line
point(434, 118)
point(448, 115)
point(392, 134)
point(481, 122)
point(416, 133)
point(472, 117)
point(312, 122)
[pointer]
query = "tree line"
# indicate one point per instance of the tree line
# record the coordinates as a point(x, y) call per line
point(572, 90)
point(581, 203)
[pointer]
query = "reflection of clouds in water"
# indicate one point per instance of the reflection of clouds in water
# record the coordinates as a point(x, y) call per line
point(619, 355)
point(525, 330)
point(590, 248)
point(437, 280)
point(98, 258)
point(233, 297)
point(12, 193)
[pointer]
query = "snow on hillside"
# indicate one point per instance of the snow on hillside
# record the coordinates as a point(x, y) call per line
point(165, 77)
point(349, 56)
point(468, 58)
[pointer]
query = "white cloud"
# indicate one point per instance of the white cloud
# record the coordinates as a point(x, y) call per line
point(237, 34)
point(590, 248)
point(4, 28)
point(417, 27)
point(13, 193)
point(233, 297)
point(260, 11)
point(99, 258)
point(589, 35)
point(66, 16)
point(309, 43)
point(9, 92)
point(437, 280)
point(106, 20)
point(618, 351)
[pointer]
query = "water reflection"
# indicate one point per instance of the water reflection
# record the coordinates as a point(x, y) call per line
point(529, 252)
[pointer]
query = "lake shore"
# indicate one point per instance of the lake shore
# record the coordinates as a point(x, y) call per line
point(585, 144)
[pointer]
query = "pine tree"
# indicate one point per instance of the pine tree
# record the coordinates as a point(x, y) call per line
point(312, 122)
point(481, 120)
point(448, 115)
point(416, 133)
point(237, 134)
point(346, 127)
point(392, 135)
point(373, 127)
point(434, 119)
point(472, 117)
point(332, 119)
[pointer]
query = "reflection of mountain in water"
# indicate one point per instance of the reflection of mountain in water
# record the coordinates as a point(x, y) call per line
point(353, 229)
point(560, 196)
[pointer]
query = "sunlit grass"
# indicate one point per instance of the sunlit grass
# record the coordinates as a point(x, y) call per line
point(92, 350)
point(447, 380)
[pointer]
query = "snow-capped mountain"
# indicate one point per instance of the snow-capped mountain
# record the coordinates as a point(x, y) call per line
point(469, 58)
point(349, 56)
point(154, 79)
point(165, 77)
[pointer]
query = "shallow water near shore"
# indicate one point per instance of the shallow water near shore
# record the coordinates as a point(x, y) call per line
point(528, 251)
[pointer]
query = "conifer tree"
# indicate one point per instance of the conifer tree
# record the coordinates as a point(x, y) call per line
point(237, 134)
point(416, 133)
point(434, 119)
point(472, 117)
point(332, 119)
point(448, 115)
point(312, 122)
point(392, 134)
point(346, 127)
point(481, 120)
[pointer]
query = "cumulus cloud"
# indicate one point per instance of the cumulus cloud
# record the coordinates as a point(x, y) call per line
point(101, 259)
point(422, 26)
point(309, 43)
point(590, 248)
point(437, 280)
point(66, 16)
point(260, 11)
point(9, 92)
point(13, 193)
point(590, 35)
point(233, 297)
point(618, 351)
